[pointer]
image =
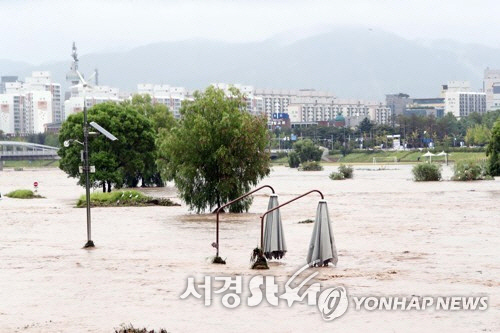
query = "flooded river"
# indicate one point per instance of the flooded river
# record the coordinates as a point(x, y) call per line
point(394, 237)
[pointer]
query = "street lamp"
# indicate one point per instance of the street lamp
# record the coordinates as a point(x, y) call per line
point(86, 169)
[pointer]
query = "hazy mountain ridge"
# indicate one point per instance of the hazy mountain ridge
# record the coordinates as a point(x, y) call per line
point(359, 63)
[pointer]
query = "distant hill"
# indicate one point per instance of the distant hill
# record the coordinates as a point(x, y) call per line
point(349, 62)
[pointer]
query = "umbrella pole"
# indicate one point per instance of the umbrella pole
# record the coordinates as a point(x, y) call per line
point(261, 262)
point(218, 259)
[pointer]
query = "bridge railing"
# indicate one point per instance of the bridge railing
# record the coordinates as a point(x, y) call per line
point(28, 153)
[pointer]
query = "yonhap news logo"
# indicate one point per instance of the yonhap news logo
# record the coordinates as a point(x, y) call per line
point(331, 302)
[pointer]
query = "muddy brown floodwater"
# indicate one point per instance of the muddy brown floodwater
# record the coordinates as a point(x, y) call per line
point(394, 237)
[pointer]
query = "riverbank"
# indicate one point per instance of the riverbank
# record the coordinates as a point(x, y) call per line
point(388, 157)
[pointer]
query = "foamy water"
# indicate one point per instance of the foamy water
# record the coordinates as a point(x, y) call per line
point(394, 237)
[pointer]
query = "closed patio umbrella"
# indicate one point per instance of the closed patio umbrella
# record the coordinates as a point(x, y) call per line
point(429, 154)
point(443, 153)
point(322, 248)
point(274, 239)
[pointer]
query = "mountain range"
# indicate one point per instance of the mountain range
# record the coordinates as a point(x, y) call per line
point(349, 62)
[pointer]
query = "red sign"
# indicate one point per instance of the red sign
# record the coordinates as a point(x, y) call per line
point(35, 184)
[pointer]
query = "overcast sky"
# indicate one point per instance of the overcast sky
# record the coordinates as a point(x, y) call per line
point(43, 30)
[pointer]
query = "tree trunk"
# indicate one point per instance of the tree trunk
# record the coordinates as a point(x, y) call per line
point(109, 186)
point(104, 187)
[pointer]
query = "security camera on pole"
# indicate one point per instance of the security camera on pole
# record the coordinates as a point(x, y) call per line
point(86, 168)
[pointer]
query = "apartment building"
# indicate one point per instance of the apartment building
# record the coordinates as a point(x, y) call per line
point(277, 101)
point(91, 95)
point(254, 104)
point(26, 107)
point(172, 97)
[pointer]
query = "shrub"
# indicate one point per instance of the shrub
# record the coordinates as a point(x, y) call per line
point(307, 150)
point(337, 176)
point(122, 198)
point(22, 194)
point(426, 172)
point(311, 166)
point(281, 154)
point(293, 159)
point(346, 170)
point(470, 170)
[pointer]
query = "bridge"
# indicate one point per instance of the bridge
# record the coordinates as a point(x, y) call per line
point(14, 150)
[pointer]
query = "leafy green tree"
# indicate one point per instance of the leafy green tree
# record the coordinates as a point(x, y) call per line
point(489, 118)
point(493, 151)
point(162, 120)
point(365, 126)
point(478, 135)
point(124, 162)
point(293, 159)
point(217, 151)
point(159, 114)
point(447, 126)
point(307, 150)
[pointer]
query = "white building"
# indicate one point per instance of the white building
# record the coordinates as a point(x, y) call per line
point(460, 100)
point(491, 86)
point(455, 86)
point(39, 107)
point(172, 97)
point(462, 104)
point(277, 101)
point(42, 81)
point(92, 95)
point(7, 114)
point(28, 106)
point(318, 109)
point(254, 104)
point(380, 113)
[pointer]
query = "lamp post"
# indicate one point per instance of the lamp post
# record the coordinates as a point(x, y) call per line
point(86, 169)
point(89, 243)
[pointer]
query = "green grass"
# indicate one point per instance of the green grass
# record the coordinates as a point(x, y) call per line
point(123, 198)
point(389, 157)
point(280, 161)
point(23, 194)
point(404, 157)
point(32, 164)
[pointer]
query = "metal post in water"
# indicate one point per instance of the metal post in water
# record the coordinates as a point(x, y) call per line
point(86, 169)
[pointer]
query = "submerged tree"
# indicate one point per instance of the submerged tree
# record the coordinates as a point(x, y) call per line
point(162, 120)
point(124, 162)
point(217, 151)
point(307, 151)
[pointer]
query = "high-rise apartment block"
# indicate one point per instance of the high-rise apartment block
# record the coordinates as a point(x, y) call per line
point(91, 95)
point(254, 104)
point(172, 97)
point(28, 107)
